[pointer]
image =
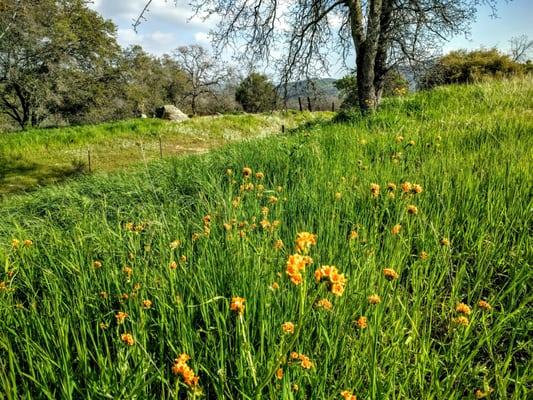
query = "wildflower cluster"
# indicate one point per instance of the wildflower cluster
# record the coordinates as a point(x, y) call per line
point(296, 265)
point(181, 368)
point(304, 240)
point(302, 359)
point(237, 305)
point(336, 281)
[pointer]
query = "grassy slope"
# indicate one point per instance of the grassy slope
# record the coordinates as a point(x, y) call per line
point(42, 156)
point(472, 155)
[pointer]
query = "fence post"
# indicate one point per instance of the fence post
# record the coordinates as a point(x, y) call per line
point(160, 148)
point(282, 128)
point(333, 106)
point(89, 159)
point(309, 104)
point(300, 103)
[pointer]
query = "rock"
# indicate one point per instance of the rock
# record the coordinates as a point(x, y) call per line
point(170, 112)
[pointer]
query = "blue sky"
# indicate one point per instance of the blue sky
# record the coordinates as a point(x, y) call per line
point(169, 25)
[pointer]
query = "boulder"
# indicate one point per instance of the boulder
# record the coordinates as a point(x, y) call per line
point(171, 113)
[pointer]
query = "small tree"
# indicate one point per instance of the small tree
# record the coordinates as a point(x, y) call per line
point(256, 93)
point(204, 74)
point(521, 48)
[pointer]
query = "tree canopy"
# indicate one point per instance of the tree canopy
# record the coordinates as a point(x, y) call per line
point(256, 93)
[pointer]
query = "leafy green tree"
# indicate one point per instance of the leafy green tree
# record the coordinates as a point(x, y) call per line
point(256, 93)
point(55, 56)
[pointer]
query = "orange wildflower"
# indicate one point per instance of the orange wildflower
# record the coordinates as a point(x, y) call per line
point(462, 308)
point(347, 395)
point(336, 281)
point(411, 209)
point(390, 274)
point(128, 339)
point(406, 187)
point(237, 305)
point(147, 304)
point(288, 327)
point(374, 299)
point(15, 243)
point(279, 374)
point(325, 304)
point(181, 368)
point(304, 240)
point(121, 316)
point(362, 322)
point(27, 243)
point(484, 305)
point(445, 242)
point(417, 188)
point(396, 229)
point(374, 189)
point(97, 264)
point(173, 265)
point(246, 171)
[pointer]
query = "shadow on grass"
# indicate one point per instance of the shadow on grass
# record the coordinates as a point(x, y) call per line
point(20, 175)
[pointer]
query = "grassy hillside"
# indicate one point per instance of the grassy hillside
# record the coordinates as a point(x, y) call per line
point(42, 156)
point(126, 272)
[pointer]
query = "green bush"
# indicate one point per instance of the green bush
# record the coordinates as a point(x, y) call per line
point(464, 66)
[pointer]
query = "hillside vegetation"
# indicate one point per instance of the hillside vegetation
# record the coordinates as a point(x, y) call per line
point(110, 283)
point(38, 157)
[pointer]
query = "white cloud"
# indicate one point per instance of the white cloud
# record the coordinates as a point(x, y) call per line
point(202, 37)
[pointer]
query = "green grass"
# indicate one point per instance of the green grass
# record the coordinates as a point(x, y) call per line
point(39, 157)
point(471, 154)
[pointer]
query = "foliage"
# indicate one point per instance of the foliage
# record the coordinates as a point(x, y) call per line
point(127, 272)
point(256, 93)
point(56, 56)
point(464, 66)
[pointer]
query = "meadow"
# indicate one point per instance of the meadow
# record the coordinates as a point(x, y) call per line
point(40, 157)
point(385, 257)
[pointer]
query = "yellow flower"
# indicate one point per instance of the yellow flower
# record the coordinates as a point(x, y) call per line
point(246, 171)
point(274, 286)
point(374, 189)
point(390, 274)
point(374, 299)
point(183, 258)
point(259, 175)
point(396, 229)
point(237, 305)
point(336, 281)
point(338, 195)
point(235, 202)
point(445, 242)
point(406, 187)
point(305, 362)
point(128, 339)
point(304, 240)
point(278, 244)
point(423, 255)
point(97, 264)
point(325, 304)
point(229, 172)
point(399, 138)
point(128, 271)
point(417, 188)
point(347, 395)
point(411, 143)
point(462, 308)
point(287, 327)
point(147, 304)
point(463, 321)
point(391, 187)
point(354, 235)
point(294, 355)
point(279, 374)
point(173, 265)
point(181, 368)
point(481, 394)
point(27, 243)
point(484, 305)
point(15, 243)
point(272, 199)
point(103, 326)
point(121, 316)
point(362, 322)
point(411, 209)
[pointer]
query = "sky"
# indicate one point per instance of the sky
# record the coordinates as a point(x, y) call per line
point(170, 24)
